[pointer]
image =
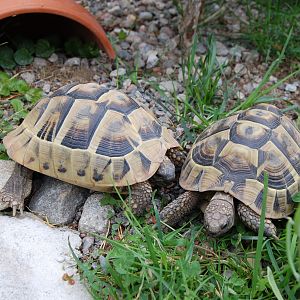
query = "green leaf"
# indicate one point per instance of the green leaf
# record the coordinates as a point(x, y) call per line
point(7, 58)
point(4, 89)
point(23, 57)
point(89, 50)
point(17, 104)
point(18, 85)
point(72, 46)
point(54, 40)
point(122, 35)
point(33, 95)
point(43, 48)
point(20, 42)
point(3, 77)
point(296, 197)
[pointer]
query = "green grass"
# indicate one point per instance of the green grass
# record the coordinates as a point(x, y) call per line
point(269, 29)
point(146, 263)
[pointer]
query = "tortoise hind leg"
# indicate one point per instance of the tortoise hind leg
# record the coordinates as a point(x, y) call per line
point(141, 198)
point(252, 220)
point(179, 208)
point(177, 156)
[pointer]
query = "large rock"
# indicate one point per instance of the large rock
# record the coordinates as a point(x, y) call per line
point(57, 200)
point(32, 261)
point(95, 217)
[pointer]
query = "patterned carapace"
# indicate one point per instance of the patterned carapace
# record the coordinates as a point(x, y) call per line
point(232, 155)
point(88, 135)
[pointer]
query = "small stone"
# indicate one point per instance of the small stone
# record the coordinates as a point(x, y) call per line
point(145, 49)
point(126, 83)
point(240, 95)
point(103, 263)
point(116, 11)
point(163, 37)
point(236, 52)
point(40, 62)
point(73, 61)
point(201, 49)
point(145, 16)
point(248, 88)
point(170, 86)
point(139, 62)
point(291, 87)
point(173, 11)
point(124, 54)
point(251, 56)
point(87, 243)
point(125, 45)
point(169, 71)
point(53, 58)
point(29, 77)
point(84, 63)
point(46, 88)
point(240, 69)
point(95, 217)
point(159, 5)
point(221, 49)
point(222, 60)
point(273, 79)
point(129, 21)
point(117, 72)
point(152, 59)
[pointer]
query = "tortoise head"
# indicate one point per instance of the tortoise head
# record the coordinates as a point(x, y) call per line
point(219, 214)
point(166, 170)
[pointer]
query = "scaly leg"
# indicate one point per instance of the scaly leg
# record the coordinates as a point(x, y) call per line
point(179, 208)
point(252, 220)
point(16, 189)
point(141, 195)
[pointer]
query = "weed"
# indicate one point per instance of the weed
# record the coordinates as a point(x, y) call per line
point(269, 25)
point(16, 100)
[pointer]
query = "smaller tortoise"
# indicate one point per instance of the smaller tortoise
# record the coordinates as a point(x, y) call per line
point(230, 158)
point(96, 138)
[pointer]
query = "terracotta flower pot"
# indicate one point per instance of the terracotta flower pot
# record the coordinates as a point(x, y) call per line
point(67, 9)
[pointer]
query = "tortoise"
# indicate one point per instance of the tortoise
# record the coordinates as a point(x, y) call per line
point(96, 138)
point(230, 159)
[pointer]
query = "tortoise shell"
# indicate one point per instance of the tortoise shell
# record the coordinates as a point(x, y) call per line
point(90, 136)
point(232, 155)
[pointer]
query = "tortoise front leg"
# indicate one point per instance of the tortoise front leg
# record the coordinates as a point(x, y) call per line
point(141, 196)
point(252, 220)
point(179, 208)
point(16, 189)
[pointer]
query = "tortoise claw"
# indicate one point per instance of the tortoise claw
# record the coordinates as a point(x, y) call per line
point(14, 208)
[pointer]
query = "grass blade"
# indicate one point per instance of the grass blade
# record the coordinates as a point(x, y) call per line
point(260, 235)
point(273, 284)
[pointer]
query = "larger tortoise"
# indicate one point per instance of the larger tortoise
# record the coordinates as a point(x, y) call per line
point(230, 158)
point(96, 138)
